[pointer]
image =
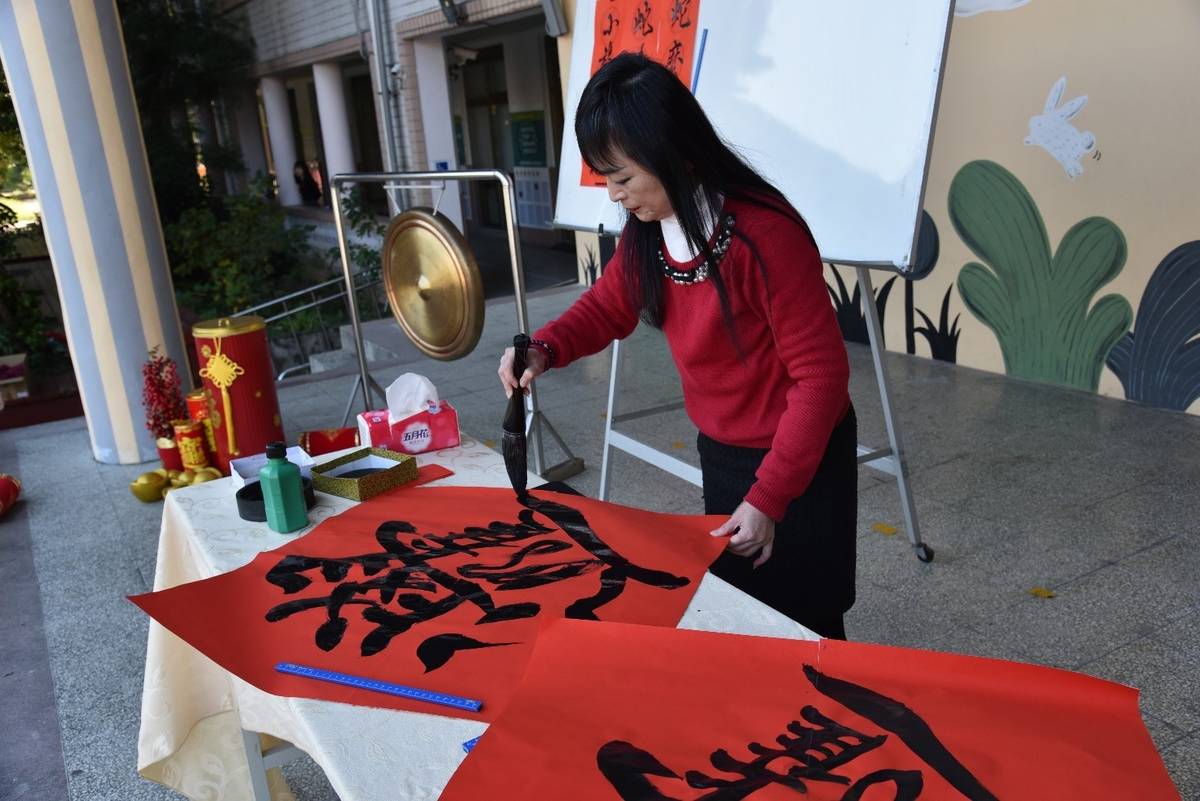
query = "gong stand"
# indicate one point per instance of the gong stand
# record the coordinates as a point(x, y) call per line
point(535, 421)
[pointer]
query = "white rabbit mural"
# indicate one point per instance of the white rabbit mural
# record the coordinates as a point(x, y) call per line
point(1052, 132)
point(969, 8)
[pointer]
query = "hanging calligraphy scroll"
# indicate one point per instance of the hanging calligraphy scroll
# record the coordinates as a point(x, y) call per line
point(439, 588)
point(608, 711)
point(664, 30)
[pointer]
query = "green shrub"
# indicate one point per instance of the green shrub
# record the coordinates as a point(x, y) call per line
point(236, 255)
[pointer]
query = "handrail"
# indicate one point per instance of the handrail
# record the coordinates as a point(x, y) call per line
point(314, 302)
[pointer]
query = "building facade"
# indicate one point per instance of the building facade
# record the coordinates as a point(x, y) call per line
point(404, 85)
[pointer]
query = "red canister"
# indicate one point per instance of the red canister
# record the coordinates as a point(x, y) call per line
point(235, 364)
point(189, 437)
point(198, 406)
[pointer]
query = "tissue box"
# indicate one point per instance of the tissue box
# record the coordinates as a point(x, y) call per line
point(430, 429)
point(391, 469)
point(245, 470)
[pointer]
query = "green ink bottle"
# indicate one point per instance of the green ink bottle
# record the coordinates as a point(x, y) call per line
point(283, 494)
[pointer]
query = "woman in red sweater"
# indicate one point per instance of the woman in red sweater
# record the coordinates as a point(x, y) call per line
point(716, 257)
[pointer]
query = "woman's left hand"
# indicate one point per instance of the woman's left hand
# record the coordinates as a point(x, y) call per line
point(750, 530)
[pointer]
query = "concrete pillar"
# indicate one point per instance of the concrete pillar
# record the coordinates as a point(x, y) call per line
point(279, 131)
point(247, 131)
point(430, 55)
point(335, 119)
point(69, 79)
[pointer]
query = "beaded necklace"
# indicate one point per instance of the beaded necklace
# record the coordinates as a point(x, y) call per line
point(700, 273)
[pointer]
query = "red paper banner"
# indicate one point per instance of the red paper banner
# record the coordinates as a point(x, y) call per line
point(608, 712)
point(664, 30)
point(441, 588)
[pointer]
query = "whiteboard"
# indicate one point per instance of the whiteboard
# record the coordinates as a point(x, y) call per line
point(833, 101)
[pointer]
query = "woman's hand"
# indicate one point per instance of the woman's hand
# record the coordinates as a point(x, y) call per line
point(751, 530)
point(535, 365)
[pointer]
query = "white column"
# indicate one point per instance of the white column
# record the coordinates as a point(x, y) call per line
point(279, 131)
point(66, 68)
point(434, 89)
point(335, 120)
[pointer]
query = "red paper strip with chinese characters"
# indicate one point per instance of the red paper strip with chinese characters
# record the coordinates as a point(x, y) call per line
point(608, 711)
point(438, 588)
point(664, 30)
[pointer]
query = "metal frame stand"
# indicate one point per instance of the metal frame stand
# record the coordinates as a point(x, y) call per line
point(260, 761)
point(889, 460)
point(358, 382)
point(536, 422)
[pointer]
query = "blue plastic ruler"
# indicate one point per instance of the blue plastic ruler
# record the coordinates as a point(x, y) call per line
point(363, 683)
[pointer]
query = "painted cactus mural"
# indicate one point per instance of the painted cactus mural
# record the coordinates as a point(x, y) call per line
point(1038, 303)
point(1159, 361)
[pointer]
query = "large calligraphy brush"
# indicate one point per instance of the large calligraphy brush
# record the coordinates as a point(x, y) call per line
point(514, 448)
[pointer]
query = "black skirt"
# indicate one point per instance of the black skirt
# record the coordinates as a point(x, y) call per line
point(810, 575)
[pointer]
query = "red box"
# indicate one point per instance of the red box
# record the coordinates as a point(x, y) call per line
point(431, 429)
point(329, 440)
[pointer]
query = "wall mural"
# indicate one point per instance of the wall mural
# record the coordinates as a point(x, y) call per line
point(1052, 131)
point(942, 338)
point(1063, 311)
point(1161, 364)
point(848, 308)
point(1038, 303)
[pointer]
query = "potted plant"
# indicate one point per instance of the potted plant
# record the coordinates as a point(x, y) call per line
point(162, 398)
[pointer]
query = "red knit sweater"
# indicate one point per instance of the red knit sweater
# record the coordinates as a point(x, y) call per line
point(790, 391)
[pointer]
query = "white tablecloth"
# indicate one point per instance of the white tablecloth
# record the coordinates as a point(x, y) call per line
point(193, 711)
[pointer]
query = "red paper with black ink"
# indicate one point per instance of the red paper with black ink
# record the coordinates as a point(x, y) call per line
point(664, 30)
point(610, 712)
point(439, 588)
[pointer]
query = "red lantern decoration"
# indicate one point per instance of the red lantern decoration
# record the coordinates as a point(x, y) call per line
point(10, 488)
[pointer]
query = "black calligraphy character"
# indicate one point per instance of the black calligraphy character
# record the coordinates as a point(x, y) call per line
point(606, 54)
point(409, 583)
point(891, 715)
point(617, 569)
point(408, 594)
point(641, 19)
point(811, 752)
point(613, 22)
point(675, 56)
point(680, 11)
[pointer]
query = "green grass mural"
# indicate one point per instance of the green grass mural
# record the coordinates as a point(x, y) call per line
point(1038, 303)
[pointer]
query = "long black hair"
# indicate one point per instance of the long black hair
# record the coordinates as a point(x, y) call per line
point(636, 106)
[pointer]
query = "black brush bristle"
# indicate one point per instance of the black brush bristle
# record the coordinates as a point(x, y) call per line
point(514, 448)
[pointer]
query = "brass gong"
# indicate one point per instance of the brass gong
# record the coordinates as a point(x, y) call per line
point(433, 284)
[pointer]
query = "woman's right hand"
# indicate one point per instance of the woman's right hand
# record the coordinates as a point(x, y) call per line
point(535, 365)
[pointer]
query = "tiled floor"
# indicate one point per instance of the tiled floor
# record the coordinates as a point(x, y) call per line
point(1017, 485)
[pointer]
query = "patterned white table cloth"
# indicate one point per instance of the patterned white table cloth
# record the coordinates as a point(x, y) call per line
point(194, 711)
